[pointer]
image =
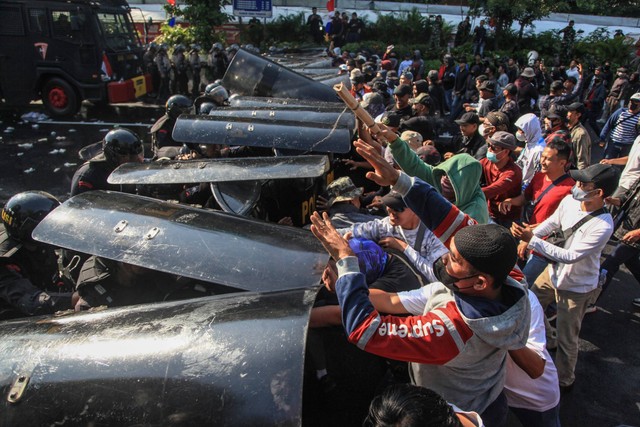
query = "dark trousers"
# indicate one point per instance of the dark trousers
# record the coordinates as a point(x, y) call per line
point(614, 151)
point(622, 254)
point(496, 413)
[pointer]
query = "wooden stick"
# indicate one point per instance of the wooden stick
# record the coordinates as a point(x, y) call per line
point(354, 106)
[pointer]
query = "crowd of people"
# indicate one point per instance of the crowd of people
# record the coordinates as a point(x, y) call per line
point(518, 198)
point(453, 253)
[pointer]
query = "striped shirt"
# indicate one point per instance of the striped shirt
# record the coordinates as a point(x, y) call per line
point(624, 130)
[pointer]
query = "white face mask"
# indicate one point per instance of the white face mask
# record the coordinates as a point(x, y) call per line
point(520, 136)
point(481, 129)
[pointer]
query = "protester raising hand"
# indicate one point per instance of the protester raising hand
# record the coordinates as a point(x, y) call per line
point(336, 245)
point(383, 173)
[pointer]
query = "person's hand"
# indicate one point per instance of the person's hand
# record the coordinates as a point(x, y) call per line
point(353, 165)
point(523, 252)
point(286, 221)
point(448, 155)
point(615, 201)
point(383, 173)
point(606, 161)
point(321, 203)
point(428, 142)
point(348, 235)
point(329, 278)
point(386, 135)
point(522, 232)
point(631, 237)
point(376, 203)
point(392, 243)
point(505, 206)
point(333, 242)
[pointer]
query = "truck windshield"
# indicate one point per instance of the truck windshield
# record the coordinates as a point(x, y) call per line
point(118, 31)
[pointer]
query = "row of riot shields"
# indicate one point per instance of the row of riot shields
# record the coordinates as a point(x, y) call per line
point(235, 359)
point(301, 122)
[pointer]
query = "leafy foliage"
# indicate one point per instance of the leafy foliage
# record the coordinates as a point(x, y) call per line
point(203, 15)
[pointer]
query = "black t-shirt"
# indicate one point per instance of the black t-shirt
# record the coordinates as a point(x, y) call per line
point(398, 275)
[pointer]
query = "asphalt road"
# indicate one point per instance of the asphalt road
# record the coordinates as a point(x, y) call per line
point(44, 156)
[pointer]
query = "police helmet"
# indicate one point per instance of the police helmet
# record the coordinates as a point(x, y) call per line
point(179, 48)
point(121, 142)
point(153, 45)
point(24, 211)
point(178, 104)
point(195, 46)
point(162, 47)
point(219, 95)
point(206, 107)
point(216, 46)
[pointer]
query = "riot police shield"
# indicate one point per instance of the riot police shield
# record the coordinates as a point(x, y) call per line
point(201, 244)
point(252, 132)
point(229, 360)
point(237, 101)
point(344, 118)
point(220, 170)
point(254, 75)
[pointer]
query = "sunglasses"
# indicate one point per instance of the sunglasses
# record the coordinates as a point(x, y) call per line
point(495, 147)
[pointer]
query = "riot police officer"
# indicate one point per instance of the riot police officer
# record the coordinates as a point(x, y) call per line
point(150, 65)
point(194, 64)
point(162, 143)
point(28, 284)
point(215, 95)
point(118, 147)
point(180, 82)
point(218, 61)
point(164, 70)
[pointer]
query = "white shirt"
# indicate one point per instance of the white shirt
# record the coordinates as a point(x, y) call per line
point(542, 393)
point(631, 171)
point(578, 263)
point(431, 247)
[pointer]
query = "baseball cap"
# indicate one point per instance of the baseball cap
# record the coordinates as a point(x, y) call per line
point(576, 106)
point(414, 139)
point(393, 200)
point(469, 118)
point(423, 99)
point(488, 85)
point(504, 140)
point(603, 176)
point(403, 90)
point(390, 119)
point(635, 97)
point(371, 98)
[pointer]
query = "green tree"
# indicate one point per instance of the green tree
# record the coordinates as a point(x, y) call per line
point(202, 15)
point(504, 13)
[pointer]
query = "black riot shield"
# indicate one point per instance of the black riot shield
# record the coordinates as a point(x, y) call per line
point(232, 360)
point(237, 101)
point(343, 118)
point(253, 132)
point(229, 250)
point(220, 170)
point(254, 75)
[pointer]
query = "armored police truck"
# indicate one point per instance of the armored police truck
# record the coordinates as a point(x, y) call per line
point(67, 51)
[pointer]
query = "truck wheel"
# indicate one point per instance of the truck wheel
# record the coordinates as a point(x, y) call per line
point(59, 98)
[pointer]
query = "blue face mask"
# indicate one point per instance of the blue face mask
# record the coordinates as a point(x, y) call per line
point(492, 157)
point(580, 195)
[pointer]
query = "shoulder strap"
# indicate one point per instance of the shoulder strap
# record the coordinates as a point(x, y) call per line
point(553, 184)
point(419, 237)
point(567, 233)
point(619, 122)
